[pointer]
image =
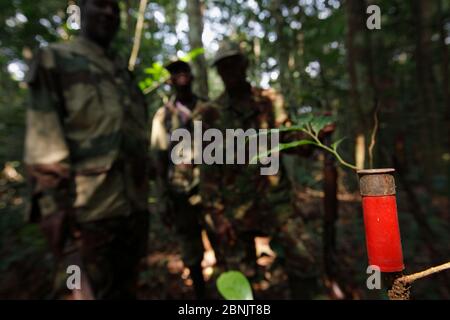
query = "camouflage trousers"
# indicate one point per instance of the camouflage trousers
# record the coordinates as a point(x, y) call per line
point(108, 253)
point(187, 219)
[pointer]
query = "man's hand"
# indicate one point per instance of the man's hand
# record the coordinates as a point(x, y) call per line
point(48, 176)
point(56, 229)
point(51, 184)
point(225, 232)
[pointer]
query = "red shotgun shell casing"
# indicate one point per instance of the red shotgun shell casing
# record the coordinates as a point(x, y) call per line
point(379, 203)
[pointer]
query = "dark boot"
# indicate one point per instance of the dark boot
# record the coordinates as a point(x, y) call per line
point(198, 280)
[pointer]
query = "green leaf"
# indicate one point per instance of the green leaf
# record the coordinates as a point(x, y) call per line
point(193, 54)
point(291, 128)
point(269, 131)
point(233, 285)
point(319, 123)
point(304, 120)
point(294, 144)
point(336, 144)
point(264, 154)
point(142, 85)
point(281, 147)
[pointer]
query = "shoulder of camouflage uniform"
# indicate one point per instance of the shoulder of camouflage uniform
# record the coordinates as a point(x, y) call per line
point(46, 58)
point(268, 93)
point(206, 111)
point(42, 58)
point(278, 105)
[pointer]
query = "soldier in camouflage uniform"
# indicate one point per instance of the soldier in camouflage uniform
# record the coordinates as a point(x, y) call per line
point(86, 154)
point(178, 185)
point(244, 203)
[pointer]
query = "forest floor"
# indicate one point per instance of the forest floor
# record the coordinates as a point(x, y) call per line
point(26, 264)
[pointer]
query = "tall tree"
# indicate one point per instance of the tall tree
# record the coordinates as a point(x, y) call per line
point(354, 57)
point(443, 17)
point(194, 10)
point(282, 29)
point(423, 15)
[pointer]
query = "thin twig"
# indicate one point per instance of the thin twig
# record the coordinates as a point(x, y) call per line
point(137, 35)
point(373, 135)
point(318, 143)
point(415, 276)
point(401, 287)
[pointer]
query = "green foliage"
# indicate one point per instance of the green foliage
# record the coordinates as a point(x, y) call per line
point(233, 285)
point(312, 127)
point(157, 75)
point(318, 123)
point(193, 54)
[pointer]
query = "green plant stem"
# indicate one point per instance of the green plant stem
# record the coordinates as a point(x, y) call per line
point(318, 143)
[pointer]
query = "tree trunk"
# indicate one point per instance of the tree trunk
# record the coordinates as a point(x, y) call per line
point(445, 66)
point(129, 19)
point(445, 78)
point(283, 51)
point(257, 54)
point(354, 54)
point(194, 12)
point(422, 11)
point(138, 35)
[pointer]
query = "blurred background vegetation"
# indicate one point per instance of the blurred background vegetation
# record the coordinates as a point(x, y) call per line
point(320, 55)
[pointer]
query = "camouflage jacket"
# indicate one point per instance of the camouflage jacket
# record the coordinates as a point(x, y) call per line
point(183, 178)
point(239, 190)
point(86, 142)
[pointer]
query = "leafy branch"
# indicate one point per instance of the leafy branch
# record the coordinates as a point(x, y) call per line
point(311, 126)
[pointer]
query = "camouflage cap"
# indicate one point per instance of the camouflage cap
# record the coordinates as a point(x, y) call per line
point(227, 49)
point(176, 64)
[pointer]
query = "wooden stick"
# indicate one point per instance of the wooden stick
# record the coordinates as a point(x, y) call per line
point(415, 276)
point(137, 35)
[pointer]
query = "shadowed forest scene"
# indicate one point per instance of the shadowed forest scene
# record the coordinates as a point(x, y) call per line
point(357, 91)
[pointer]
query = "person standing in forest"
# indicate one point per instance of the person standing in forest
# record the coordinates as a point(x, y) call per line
point(86, 153)
point(178, 184)
point(245, 204)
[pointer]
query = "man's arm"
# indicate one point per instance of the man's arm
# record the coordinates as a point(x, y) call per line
point(210, 182)
point(159, 146)
point(159, 149)
point(212, 202)
point(46, 153)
